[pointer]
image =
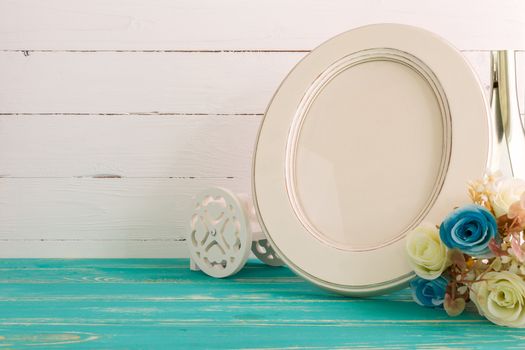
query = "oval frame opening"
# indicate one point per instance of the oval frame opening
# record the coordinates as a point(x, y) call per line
point(335, 69)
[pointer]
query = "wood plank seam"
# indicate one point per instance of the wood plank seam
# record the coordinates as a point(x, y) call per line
point(29, 51)
point(130, 114)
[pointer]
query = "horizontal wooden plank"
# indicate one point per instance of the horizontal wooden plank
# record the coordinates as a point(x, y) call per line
point(127, 146)
point(136, 304)
point(254, 277)
point(101, 217)
point(253, 330)
point(112, 82)
point(238, 24)
point(100, 209)
point(86, 248)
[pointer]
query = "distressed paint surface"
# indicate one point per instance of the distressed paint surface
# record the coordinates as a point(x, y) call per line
point(159, 303)
point(241, 25)
point(113, 113)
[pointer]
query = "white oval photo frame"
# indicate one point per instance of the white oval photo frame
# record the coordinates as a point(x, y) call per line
point(333, 84)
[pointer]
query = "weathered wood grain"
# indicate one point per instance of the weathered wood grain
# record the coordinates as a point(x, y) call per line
point(238, 24)
point(136, 145)
point(90, 217)
point(136, 304)
point(141, 82)
point(75, 211)
point(80, 245)
point(85, 84)
point(186, 83)
point(208, 146)
point(170, 83)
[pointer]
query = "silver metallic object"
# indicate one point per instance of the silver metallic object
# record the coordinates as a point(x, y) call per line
point(509, 152)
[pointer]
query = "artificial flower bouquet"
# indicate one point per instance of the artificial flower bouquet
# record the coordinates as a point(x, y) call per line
point(477, 254)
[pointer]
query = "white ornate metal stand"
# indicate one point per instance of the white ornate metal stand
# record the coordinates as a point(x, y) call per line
point(223, 229)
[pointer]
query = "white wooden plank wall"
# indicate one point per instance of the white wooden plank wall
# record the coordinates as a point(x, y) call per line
point(113, 113)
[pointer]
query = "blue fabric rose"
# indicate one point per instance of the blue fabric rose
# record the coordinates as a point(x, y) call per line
point(469, 229)
point(429, 293)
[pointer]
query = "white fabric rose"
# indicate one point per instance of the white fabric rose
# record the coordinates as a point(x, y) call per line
point(507, 192)
point(427, 254)
point(500, 297)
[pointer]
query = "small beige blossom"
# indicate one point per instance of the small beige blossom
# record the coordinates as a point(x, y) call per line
point(506, 193)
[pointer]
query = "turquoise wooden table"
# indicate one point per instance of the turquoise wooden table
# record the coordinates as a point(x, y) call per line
point(160, 304)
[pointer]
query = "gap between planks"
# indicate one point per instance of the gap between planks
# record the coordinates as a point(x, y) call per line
point(27, 52)
point(93, 239)
point(115, 176)
point(131, 114)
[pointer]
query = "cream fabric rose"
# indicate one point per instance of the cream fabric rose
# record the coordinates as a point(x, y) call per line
point(500, 297)
point(427, 254)
point(506, 193)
